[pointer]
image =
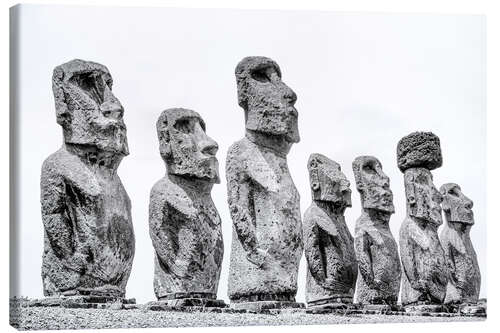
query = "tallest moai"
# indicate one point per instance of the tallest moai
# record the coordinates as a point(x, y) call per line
point(264, 203)
point(89, 237)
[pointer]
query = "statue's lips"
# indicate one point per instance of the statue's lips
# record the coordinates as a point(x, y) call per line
point(467, 213)
point(211, 159)
point(293, 111)
point(210, 164)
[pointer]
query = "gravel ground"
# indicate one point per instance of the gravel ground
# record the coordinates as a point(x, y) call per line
point(43, 318)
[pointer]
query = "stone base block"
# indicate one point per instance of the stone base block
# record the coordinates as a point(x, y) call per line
point(425, 308)
point(333, 307)
point(473, 310)
point(267, 306)
point(377, 308)
point(342, 300)
point(202, 302)
point(186, 304)
point(468, 309)
point(83, 302)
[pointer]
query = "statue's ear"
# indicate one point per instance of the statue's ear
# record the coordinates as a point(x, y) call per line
point(410, 190)
point(314, 180)
point(165, 145)
point(62, 113)
point(445, 204)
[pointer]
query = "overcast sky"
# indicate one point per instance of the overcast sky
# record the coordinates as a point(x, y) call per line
point(363, 81)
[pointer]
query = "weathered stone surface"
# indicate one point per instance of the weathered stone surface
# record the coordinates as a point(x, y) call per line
point(419, 150)
point(465, 279)
point(89, 238)
point(184, 224)
point(376, 249)
point(425, 275)
point(329, 247)
point(264, 204)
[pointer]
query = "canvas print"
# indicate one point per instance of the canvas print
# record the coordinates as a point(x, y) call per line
point(214, 167)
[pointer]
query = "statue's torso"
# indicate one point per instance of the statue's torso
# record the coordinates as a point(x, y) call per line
point(336, 247)
point(465, 277)
point(98, 209)
point(429, 263)
point(194, 226)
point(385, 263)
point(278, 228)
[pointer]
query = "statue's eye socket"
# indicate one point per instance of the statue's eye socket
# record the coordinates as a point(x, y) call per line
point(184, 126)
point(368, 168)
point(92, 84)
point(260, 75)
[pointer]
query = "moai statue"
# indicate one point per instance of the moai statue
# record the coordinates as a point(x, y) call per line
point(264, 203)
point(464, 276)
point(184, 224)
point(329, 246)
point(425, 275)
point(376, 250)
point(89, 236)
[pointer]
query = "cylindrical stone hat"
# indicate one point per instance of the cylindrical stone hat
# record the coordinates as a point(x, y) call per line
point(419, 150)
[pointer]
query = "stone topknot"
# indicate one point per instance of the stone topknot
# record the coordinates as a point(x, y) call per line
point(419, 150)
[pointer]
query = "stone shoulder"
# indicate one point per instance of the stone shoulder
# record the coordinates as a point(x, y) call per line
point(239, 152)
point(58, 163)
point(311, 212)
point(166, 194)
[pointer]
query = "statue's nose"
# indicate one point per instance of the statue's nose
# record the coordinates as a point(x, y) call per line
point(289, 95)
point(209, 146)
point(112, 108)
point(344, 187)
point(469, 203)
point(206, 144)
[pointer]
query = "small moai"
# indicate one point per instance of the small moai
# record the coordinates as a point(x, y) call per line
point(376, 250)
point(89, 237)
point(464, 276)
point(329, 246)
point(423, 285)
point(184, 225)
point(264, 203)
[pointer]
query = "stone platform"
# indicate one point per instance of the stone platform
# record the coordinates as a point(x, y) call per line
point(258, 307)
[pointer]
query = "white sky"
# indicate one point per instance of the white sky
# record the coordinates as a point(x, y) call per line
point(363, 81)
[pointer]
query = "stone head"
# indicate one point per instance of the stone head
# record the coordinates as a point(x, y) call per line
point(185, 147)
point(423, 200)
point(372, 184)
point(456, 206)
point(86, 108)
point(268, 102)
point(328, 182)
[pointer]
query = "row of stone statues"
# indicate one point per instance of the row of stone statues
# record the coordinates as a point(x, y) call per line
point(89, 237)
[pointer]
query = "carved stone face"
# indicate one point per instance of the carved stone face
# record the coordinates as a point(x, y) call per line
point(422, 197)
point(328, 183)
point(86, 108)
point(457, 207)
point(372, 184)
point(185, 147)
point(268, 102)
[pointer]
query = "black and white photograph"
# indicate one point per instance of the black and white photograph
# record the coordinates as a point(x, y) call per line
point(190, 167)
